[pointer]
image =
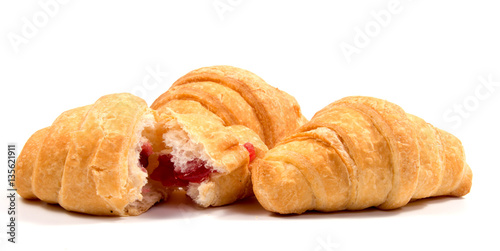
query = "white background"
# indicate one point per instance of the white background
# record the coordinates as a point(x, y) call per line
point(427, 56)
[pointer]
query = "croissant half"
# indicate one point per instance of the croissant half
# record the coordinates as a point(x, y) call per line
point(360, 152)
point(89, 159)
point(218, 110)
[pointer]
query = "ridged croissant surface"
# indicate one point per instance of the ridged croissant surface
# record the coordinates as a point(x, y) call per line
point(218, 112)
point(89, 159)
point(360, 152)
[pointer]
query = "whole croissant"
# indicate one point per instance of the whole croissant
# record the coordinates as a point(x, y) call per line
point(360, 152)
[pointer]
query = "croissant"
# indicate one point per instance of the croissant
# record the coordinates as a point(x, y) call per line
point(89, 160)
point(224, 118)
point(356, 153)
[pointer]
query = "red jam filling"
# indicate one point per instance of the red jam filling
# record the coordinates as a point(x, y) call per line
point(165, 173)
point(147, 149)
point(196, 172)
point(251, 150)
point(145, 190)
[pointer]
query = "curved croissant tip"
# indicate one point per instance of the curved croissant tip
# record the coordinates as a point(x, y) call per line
point(278, 185)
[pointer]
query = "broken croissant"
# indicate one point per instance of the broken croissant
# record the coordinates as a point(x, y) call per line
point(360, 152)
point(89, 160)
point(216, 111)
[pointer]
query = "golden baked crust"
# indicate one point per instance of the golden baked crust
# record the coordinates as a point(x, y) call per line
point(25, 163)
point(82, 160)
point(360, 152)
point(222, 108)
point(46, 181)
point(238, 97)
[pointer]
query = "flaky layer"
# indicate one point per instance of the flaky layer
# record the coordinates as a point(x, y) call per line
point(25, 164)
point(50, 160)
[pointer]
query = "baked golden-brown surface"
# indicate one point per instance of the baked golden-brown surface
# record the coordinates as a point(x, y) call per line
point(25, 163)
point(360, 152)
